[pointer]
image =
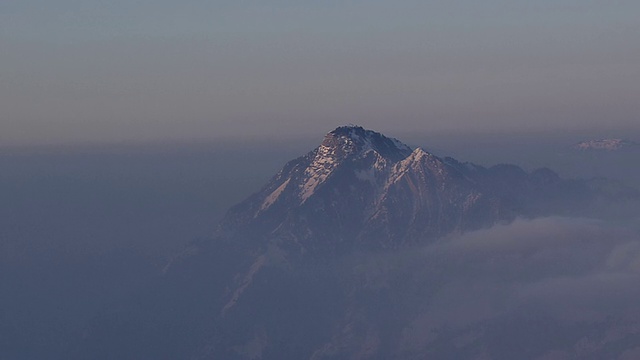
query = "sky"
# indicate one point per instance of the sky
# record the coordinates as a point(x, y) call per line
point(76, 71)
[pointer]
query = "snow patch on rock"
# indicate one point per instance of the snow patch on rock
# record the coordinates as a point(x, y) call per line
point(274, 196)
point(318, 171)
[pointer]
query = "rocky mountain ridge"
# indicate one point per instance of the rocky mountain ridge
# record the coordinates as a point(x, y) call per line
point(361, 188)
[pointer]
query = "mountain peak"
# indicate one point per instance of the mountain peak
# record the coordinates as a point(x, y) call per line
point(348, 143)
point(353, 139)
point(419, 152)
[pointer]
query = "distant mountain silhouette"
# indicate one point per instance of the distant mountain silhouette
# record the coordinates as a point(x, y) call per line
point(606, 145)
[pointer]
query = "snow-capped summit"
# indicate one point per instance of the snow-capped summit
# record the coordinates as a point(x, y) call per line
point(605, 144)
point(349, 144)
point(352, 139)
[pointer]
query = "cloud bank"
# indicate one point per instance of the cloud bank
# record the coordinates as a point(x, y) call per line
point(548, 288)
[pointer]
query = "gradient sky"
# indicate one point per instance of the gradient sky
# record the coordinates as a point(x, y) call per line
point(101, 71)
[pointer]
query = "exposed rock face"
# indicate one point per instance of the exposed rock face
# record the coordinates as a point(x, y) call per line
point(361, 189)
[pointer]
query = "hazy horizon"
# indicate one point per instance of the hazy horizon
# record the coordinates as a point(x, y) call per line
point(87, 72)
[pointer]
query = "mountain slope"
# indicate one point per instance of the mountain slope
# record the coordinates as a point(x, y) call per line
point(306, 267)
